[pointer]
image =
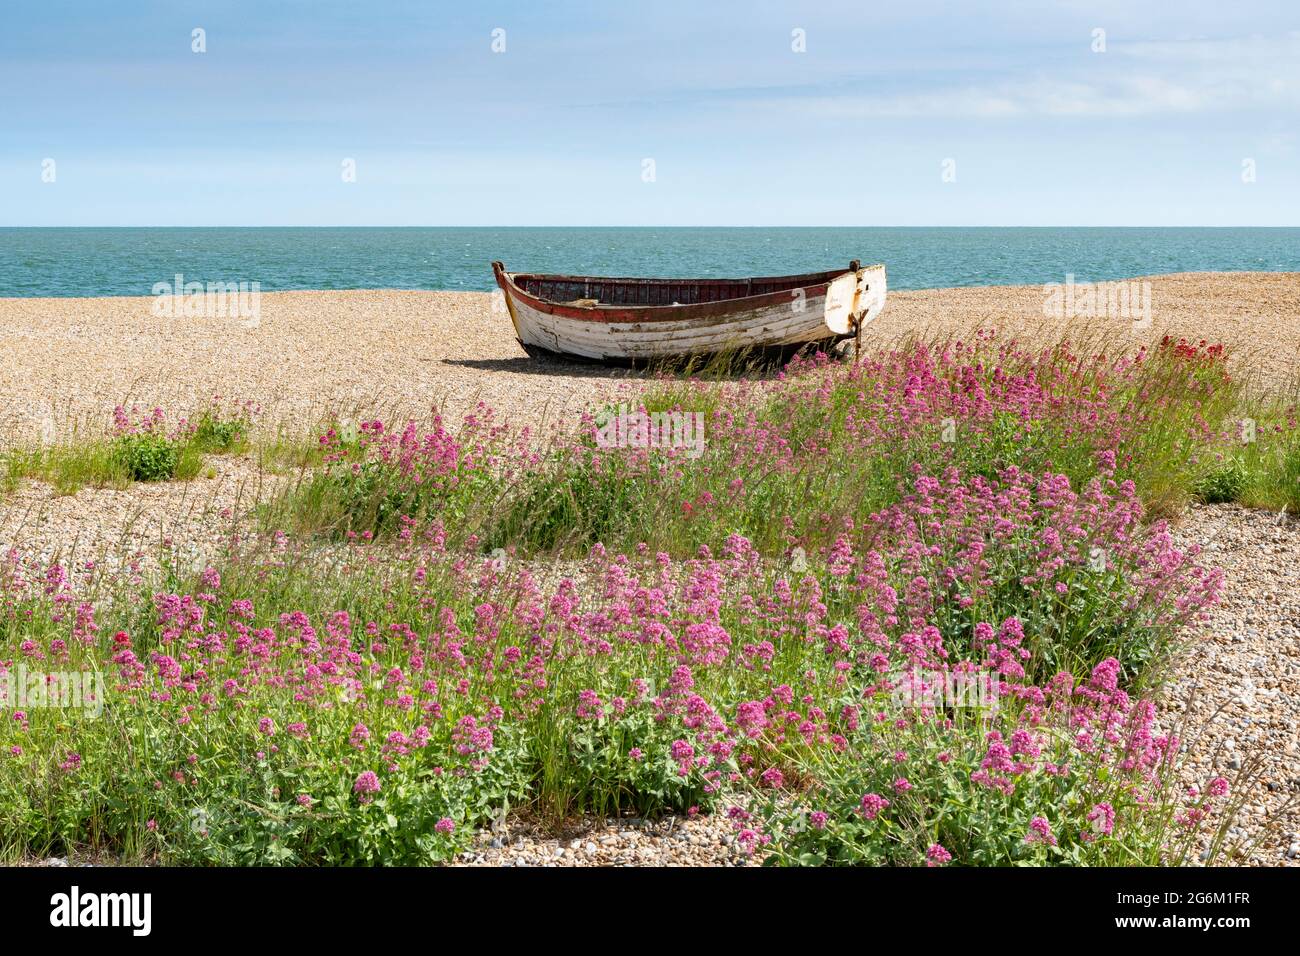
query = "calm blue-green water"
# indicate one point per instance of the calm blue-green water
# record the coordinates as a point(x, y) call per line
point(96, 262)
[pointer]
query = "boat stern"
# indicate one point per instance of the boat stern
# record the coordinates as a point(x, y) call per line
point(854, 299)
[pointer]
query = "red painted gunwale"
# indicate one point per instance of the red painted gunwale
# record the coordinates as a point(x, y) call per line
point(813, 284)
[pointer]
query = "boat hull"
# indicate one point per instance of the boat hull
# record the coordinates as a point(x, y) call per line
point(780, 320)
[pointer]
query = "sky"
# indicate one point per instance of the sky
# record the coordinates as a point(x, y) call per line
point(707, 112)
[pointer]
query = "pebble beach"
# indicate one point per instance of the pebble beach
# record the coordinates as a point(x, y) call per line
point(68, 362)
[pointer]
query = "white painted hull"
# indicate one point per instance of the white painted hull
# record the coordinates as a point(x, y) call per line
point(763, 327)
point(794, 321)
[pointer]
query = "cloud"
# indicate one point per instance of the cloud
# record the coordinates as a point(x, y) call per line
point(1036, 96)
point(1251, 49)
point(1130, 79)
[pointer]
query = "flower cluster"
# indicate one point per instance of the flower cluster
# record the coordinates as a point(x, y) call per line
point(380, 703)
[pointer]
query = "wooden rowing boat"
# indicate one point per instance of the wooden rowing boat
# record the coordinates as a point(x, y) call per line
point(621, 320)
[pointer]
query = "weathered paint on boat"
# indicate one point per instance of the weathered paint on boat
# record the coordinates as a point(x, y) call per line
point(622, 319)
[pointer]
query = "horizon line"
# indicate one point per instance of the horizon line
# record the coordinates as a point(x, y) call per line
point(812, 226)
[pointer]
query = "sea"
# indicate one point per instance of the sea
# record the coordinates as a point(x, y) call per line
point(132, 261)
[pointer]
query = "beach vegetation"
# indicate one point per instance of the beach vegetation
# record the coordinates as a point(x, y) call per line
point(912, 610)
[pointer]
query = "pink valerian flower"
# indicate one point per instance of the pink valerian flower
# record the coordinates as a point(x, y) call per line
point(366, 785)
point(640, 690)
point(445, 825)
point(773, 778)
point(1105, 676)
point(397, 745)
point(590, 706)
point(749, 840)
point(684, 754)
point(818, 819)
point(872, 804)
point(267, 726)
point(1218, 787)
point(1040, 831)
point(936, 855)
point(902, 785)
point(71, 762)
point(1191, 817)
point(471, 737)
point(242, 609)
point(751, 718)
point(1103, 815)
point(85, 630)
